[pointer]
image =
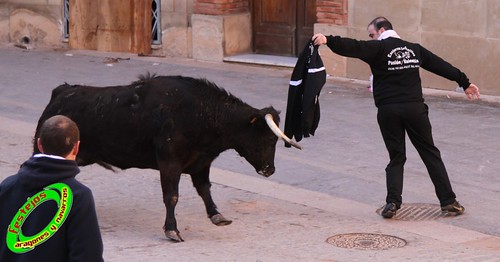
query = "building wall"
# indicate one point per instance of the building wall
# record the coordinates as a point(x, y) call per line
point(465, 33)
point(221, 28)
point(31, 23)
point(331, 12)
point(176, 28)
point(221, 7)
point(205, 29)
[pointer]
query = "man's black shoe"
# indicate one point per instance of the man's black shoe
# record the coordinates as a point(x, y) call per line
point(389, 210)
point(453, 209)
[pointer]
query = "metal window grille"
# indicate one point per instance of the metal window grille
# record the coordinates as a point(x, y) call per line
point(155, 23)
point(66, 20)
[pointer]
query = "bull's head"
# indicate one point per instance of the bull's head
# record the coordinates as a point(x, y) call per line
point(258, 142)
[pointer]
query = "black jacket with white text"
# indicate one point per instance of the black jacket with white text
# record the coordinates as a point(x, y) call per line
point(395, 65)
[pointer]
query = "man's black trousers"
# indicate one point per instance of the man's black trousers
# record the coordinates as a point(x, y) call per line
point(394, 121)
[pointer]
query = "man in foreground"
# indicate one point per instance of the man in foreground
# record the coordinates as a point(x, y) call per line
point(46, 214)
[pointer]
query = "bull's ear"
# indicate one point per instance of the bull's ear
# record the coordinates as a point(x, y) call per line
point(255, 117)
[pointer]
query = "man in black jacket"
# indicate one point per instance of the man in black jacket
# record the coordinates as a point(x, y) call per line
point(397, 91)
point(46, 214)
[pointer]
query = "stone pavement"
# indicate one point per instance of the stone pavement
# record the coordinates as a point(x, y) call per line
point(332, 187)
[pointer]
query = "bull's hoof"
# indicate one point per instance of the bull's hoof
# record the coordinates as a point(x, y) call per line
point(173, 235)
point(220, 220)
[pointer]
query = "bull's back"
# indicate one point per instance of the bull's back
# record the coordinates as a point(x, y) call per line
point(120, 125)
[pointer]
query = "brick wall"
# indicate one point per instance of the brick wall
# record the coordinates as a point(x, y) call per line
point(331, 11)
point(220, 7)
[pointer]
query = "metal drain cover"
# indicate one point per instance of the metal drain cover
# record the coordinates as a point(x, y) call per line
point(366, 241)
point(418, 212)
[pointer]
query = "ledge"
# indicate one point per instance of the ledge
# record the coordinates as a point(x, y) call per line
point(257, 59)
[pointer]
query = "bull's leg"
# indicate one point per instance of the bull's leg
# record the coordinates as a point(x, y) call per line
point(170, 177)
point(201, 182)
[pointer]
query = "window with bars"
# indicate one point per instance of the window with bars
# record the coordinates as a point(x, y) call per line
point(66, 20)
point(155, 23)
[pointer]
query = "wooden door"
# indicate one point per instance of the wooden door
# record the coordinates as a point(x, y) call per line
point(111, 25)
point(282, 27)
point(306, 17)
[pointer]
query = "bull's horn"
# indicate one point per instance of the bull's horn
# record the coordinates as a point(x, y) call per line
point(277, 131)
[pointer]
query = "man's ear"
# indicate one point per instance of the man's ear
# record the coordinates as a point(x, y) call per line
point(76, 148)
point(74, 151)
point(39, 145)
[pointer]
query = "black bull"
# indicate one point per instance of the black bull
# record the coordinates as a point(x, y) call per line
point(173, 124)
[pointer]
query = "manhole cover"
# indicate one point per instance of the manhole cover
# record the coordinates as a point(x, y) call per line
point(366, 241)
point(418, 212)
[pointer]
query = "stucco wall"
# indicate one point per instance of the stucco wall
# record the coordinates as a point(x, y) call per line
point(32, 23)
point(217, 36)
point(203, 36)
point(465, 33)
point(176, 28)
point(4, 23)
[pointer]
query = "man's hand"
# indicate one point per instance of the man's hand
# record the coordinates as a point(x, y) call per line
point(319, 39)
point(472, 92)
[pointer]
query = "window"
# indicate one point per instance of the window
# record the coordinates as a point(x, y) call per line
point(66, 20)
point(155, 23)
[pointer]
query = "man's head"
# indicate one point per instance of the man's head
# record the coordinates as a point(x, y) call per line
point(377, 26)
point(59, 136)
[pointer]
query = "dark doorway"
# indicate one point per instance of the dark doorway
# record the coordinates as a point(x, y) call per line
point(282, 27)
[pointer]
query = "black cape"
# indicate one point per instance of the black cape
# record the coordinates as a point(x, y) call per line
point(307, 80)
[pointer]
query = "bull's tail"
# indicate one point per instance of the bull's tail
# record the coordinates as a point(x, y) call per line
point(106, 165)
point(82, 161)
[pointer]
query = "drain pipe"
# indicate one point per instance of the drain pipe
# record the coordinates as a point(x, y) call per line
point(24, 42)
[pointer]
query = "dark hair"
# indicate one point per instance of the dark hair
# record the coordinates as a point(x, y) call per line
point(381, 22)
point(58, 135)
